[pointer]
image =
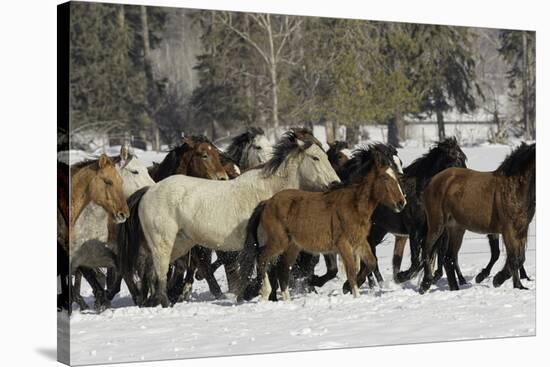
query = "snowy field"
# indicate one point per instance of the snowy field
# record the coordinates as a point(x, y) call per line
point(395, 314)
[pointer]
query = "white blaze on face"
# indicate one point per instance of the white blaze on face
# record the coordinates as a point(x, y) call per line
point(398, 164)
point(391, 173)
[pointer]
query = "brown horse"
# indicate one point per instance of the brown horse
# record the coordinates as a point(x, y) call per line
point(336, 221)
point(91, 181)
point(197, 155)
point(498, 202)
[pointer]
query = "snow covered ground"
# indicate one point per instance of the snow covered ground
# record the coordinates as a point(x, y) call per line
point(395, 314)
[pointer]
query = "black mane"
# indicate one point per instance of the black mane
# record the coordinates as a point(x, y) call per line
point(444, 154)
point(286, 146)
point(240, 142)
point(362, 161)
point(518, 161)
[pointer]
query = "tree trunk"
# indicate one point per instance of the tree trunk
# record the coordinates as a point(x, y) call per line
point(396, 130)
point(525, 86)
point(149, 75)
point(352, 135)
point(273, 74)
point(331, 137)
point(440, 125)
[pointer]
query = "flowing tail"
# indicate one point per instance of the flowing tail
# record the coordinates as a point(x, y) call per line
point(130, 235)
point(247, 257)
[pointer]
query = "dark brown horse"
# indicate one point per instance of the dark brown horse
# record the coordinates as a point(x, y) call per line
point(336, 221)
point(498, 202)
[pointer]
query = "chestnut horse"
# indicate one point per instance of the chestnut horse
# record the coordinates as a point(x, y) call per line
point(498, 202)
point(336, 221)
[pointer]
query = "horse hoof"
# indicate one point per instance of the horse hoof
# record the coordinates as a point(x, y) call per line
point(346, 288)
point(401, 277)
point(462, 282)
point(481, 277)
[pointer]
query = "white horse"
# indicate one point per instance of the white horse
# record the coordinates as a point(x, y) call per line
point(181, 211)
point(91, 246)
point(250, 149)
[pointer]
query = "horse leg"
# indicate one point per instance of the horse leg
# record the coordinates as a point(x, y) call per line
point(204, 267)
point(331, 263)
point(416, 263)
point(101, 301)
point(75, 296)
point(345, 250)
point(160, 246)
point(518, 264)
point(435, 230)
point(512, 258)
point(273, 276)
point(179, 277)
point(287, 260)
point(495, 253)
point(523, 273)
point(398, 249)
point(267, 254)
point(378, 276)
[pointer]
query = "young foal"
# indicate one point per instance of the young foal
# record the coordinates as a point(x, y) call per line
point(336, 221)
point(502, 201)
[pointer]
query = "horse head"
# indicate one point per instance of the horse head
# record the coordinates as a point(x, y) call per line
point(386, 187)
point(201, 158)
point(302, 151)
point(105, 189)
point(134, 174)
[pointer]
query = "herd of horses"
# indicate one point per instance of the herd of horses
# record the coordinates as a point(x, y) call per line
point(269, 212)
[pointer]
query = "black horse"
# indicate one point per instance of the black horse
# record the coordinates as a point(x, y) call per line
point(411, 221)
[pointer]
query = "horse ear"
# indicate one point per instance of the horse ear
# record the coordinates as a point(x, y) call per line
point(124, 152)
point(188, 141)
point(103, 161)
point(300, 143)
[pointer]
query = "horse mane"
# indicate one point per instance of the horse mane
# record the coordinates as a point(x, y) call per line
point(286, 146)
point(362, 160)
point(236, 148)
point(425, 165)
point(517, 162)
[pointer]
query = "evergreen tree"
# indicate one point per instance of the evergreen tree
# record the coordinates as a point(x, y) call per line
point(518, 50)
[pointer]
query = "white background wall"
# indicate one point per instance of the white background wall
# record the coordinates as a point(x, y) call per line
point(27, 67)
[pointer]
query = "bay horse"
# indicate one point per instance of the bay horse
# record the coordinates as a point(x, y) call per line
point(336, 221)
point(90, 181)
point(181, 211)
point(497, 202)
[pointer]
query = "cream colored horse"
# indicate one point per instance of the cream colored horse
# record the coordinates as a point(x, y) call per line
point(181, 211)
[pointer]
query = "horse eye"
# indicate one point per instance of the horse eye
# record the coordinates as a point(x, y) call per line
point(257, 147)
point(205, 156)
point(108, 182)
point(316, 159)
point(135, 172)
